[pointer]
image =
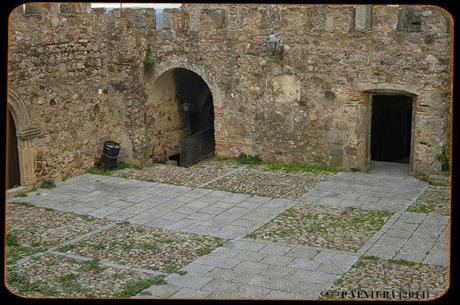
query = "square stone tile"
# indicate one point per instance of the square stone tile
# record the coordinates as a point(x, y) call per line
point(278, 260)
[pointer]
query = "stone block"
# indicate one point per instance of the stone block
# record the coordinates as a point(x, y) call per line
point(221, 286)
point(305, 264)
point(278, 260)
point(332, 268)
point(245, 245)
point(307, 277)
point(230, 232)
point(189, 280)
point(438, 258)
point(162, 290)
point(274, 249)
point(251, 291)
point(190, 292)
point(383, 252)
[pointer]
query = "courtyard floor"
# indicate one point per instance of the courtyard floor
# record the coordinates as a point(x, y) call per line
point(223, 230)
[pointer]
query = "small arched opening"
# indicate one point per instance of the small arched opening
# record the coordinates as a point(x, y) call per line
point(179, 116)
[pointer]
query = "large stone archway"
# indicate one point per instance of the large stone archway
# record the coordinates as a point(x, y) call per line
point(169, 117)
point(25, 133)
point(166, 66)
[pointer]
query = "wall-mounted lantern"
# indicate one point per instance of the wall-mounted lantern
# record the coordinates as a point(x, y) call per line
point(273, 43)
point(186, 106)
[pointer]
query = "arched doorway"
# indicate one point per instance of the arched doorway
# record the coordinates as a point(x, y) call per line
point(179, 115)
point(13, 155)
point(21, 146)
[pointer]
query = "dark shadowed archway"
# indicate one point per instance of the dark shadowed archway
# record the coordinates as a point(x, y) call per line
point(179, 118)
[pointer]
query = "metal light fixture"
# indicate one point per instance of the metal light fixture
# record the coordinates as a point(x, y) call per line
point(186, 106)
point(273, 42)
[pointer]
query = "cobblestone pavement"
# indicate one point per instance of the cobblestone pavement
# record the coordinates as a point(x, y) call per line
point(49, 227)
point(194, 176)
point(327, 227)
point(246, 267)
point(260, 181)
point(231, 177)
point(145, 247)
point(434, 200)
point(373, 274)
point(60, 276)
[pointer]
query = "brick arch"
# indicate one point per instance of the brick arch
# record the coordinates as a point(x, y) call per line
point(25, 134)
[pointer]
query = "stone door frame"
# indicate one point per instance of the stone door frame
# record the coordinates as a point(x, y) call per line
point(369, 98)
point(25, 134)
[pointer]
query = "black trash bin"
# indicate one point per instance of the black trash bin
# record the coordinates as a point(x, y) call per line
point(110, 154)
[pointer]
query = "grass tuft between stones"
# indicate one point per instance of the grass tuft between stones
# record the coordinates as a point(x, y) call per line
point(21, 194)
point(174, 269)
point(47, 184)
point(23, 285)
point(107, 172)
point(134, 288)
point(11, 239)
point(274, 165)
point(402, 262)
point(93, 265)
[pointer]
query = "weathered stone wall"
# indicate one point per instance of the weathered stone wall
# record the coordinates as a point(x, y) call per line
point(81, 76)
point(76, 75)
point(163, 118)
point(313, 104)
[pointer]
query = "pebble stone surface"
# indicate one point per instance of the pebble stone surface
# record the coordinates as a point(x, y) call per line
point(195, 237)
point(48, 227)
point(434, 200)
point(146, 247)
point(272, 183)
point(59, 276)
point(333, 228)
point(381, 275)
point(188, 176)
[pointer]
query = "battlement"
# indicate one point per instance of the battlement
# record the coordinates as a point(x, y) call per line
point(280, 18)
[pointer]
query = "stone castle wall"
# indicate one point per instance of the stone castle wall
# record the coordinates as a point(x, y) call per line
point(81, 76)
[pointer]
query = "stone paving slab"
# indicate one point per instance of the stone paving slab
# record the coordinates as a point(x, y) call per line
point(204, 211)
point(244, 267)
point(414, 237)
point(387, 187)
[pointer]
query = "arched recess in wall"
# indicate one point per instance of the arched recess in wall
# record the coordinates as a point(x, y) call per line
point(390, 124)
point(25, 133)
point(179, 117)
